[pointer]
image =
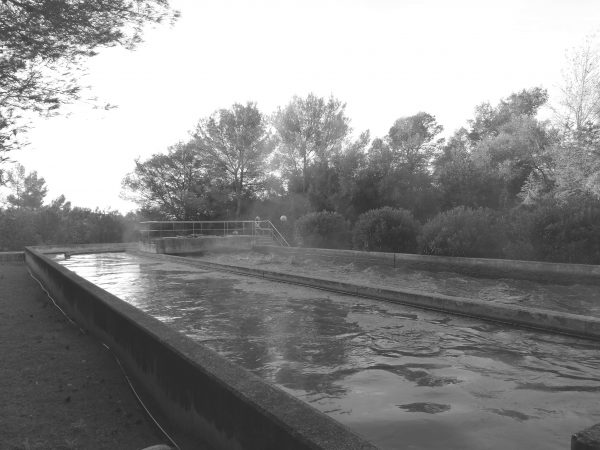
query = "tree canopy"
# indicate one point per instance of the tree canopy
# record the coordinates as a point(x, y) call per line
point(43, 44)
point(27, 189)
point(173, 185)
point(309, 129)
point(233, 145)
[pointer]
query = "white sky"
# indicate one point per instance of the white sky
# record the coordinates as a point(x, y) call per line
point(385, 58)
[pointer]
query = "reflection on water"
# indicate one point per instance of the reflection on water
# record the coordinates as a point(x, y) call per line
point(399, 376)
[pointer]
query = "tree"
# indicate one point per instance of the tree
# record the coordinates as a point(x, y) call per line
point(580, 102)
point(28, 191)
point(234, 144)
point(174, 186)
point(44, 42)
point(519, 156)
point(488, 119)
point(411, 140)
point(462, 182)
point(309, 129)
point(577, 156)
point(577, 164)
point(511, 145)
point(397, 170)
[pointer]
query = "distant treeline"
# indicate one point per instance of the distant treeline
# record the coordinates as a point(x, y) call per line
point(507, 185)
point(59, 223)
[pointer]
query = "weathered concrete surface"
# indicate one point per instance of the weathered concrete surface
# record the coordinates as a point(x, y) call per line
point(74, 249)
point(588, 439)
point(494, 268)
point(187, 245)
point(540, 319)
point(205, 396)
point(12, 256)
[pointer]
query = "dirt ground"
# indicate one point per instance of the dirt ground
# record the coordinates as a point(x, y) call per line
point(59, 388)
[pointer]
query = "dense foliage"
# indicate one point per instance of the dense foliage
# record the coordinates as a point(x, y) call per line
point(567, 232)
point(463, 231)
point(322, 229)
point(61, 224)
point(43, 44)
point(386, 230)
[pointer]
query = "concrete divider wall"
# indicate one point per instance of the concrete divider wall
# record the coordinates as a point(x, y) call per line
point(205, 396)
point(539, 319)
point(187, 245)
point(495, 268)
point(74, 249)
point(12, 257)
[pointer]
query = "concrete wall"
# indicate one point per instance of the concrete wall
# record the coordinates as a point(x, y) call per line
point(205, 396)
point(185, 245)
point(495, 268)
point(588, 439)
point(74, 249)
point(540, 319)
point(12, 257)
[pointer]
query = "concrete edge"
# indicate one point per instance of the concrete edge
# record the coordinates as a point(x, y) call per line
point(495, 268)
point(76, 249)
point(532, 318)
point(206, 397)
point(12, 257)
point(588, 439)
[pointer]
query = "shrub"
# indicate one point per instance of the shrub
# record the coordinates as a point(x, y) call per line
point(463, 231)
point(386, 230)
point(568, 232)
point(518, 225)
point(322, 230)
point(18, 229)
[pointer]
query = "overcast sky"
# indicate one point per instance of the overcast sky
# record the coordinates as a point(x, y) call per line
point(385, 58)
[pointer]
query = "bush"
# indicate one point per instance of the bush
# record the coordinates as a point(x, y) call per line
point(518, 225)
point(18, 229)
point(386, 230)
point(567, 232)
point(322, 230)
point(465, 232)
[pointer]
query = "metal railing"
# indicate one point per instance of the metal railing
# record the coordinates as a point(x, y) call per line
point(156, 229)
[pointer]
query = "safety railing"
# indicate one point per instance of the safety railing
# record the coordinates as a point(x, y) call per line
point(156, 229)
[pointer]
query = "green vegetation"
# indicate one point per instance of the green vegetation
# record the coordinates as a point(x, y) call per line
point(507, 185)
point(323, 230)
point(27, 221)
point(463, 231)
point(386, 230)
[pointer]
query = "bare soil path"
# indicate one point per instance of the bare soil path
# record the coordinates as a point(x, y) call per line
point(59, 388)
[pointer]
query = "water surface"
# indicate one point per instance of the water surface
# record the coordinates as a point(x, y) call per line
point(399, 376)
point(576, 298)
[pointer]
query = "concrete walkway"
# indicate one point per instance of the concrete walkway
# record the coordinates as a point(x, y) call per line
point(60, 388)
